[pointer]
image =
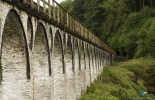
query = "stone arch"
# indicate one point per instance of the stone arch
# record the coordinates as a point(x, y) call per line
point(83, 67)
point(70, 76)
point(82, 55)
point(77, 54)
point(87, 56)
point(58, 50)
point(59, 71)
point(106, 58)
point(52, 40)
point(95, 62)
point(99, 58)
point(87, 64)
point(102, 58)
point(99, 61)
point(69, 54)
point(14, 59)
point(42, 67)
point(30, 33)
point(91, 63)
point(77, 69)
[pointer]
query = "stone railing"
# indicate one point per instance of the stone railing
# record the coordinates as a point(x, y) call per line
point(54, 12)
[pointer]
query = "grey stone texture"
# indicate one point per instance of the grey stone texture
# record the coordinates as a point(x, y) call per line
point(42, 62)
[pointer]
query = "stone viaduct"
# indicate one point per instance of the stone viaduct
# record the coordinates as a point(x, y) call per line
point(46, 53)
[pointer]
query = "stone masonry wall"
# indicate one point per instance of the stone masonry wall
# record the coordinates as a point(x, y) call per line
point(42, 62)
point(77, 69)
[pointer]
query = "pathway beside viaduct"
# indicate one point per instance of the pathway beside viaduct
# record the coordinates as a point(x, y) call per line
point(46, 54)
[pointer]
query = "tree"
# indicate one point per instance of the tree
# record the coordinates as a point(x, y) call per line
point(78, 9)
point(67, 5)
point(94, 16)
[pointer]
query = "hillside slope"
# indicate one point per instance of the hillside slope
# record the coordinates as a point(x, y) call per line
point(124, 81)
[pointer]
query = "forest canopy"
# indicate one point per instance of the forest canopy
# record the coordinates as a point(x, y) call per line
point(128, 26)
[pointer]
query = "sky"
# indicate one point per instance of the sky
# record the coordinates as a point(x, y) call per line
point(58, 1)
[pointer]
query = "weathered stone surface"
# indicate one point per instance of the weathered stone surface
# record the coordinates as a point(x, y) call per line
point(83, 68)
point(78, 78)
point(87, 60)
point(13, 62)
point(70, 75)
point(37, 61)
point(41, 77)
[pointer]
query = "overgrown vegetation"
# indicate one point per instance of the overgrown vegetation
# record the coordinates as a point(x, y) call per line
point(135, 37)
point(124, 81)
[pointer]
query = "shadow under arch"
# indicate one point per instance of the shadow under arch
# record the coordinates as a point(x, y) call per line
point(91, 63)
point(82, 55)
point(15, 58)
point(87, 62)
point(30, 32)
point(70, 71)
point(69, 54)
point(59, 81)
point(78, 77)
point(51, 37)
point(87, 56)
point(58, 48)
point(42, 64)
point(77, 54)
point(83, 68)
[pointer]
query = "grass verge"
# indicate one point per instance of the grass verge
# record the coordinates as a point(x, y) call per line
point(124, 81)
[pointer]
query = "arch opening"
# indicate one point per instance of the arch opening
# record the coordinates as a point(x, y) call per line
point(14, 59)
point(30, 33)
point(87, 62)
point(69, 56)
point(77, 69)
point(59, 82)
point(42, 68)
point(91, 64)
point(70, 69)
point(83, 68)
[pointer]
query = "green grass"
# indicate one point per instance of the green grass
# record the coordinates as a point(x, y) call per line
point(123, 81)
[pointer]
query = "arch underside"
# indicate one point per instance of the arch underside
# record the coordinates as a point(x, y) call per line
point(59, 81)
point(78, 79)
point(14, 60)
point(70, 77)
point(83, 68)
point(87, 62)
point(42, 86)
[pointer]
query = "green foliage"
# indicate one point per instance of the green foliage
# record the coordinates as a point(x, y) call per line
point(78, 9)
point(94, 16)
point(116, 12)
point(126, 25)
point(135, 37)
point(67, 5)
point(118, 81)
